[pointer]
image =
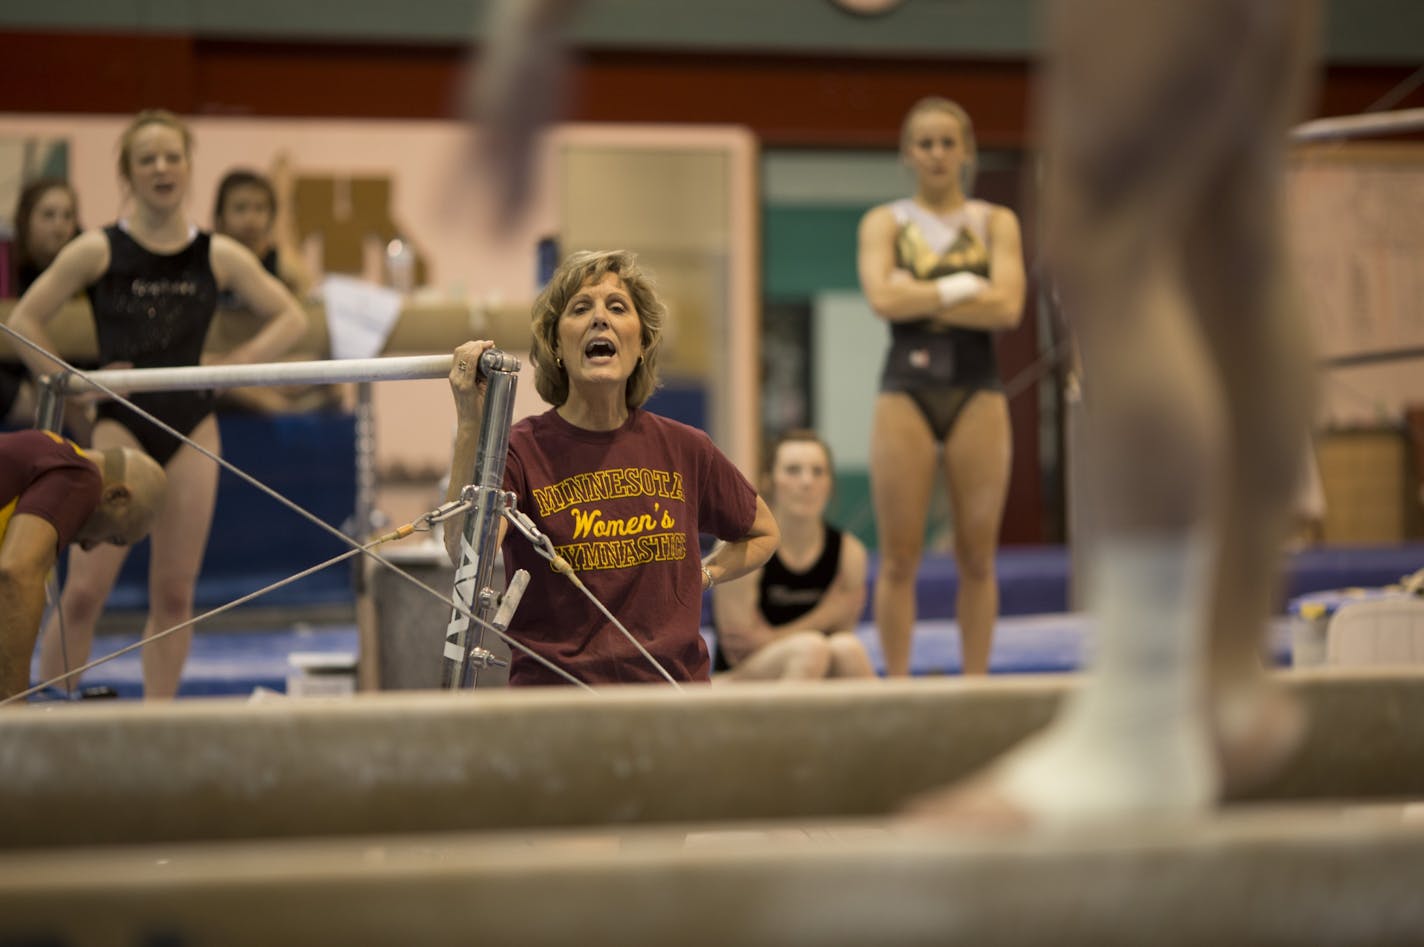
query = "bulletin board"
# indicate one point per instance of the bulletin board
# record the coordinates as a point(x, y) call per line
point(1356, 214)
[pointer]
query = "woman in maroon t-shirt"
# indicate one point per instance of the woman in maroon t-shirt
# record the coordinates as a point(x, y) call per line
point(623, 494)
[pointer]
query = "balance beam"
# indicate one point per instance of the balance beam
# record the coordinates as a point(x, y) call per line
point(497, 760)
point(423, 327)
point(1292, 875)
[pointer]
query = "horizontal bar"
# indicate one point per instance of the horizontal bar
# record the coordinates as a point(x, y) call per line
point(550, 757)
point(1299, 875)
point(1363, 125)
point(1371, 358)
point(326, 371)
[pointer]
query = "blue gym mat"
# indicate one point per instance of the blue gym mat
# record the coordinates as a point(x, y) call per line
point(236, 663)
point(1036, 632)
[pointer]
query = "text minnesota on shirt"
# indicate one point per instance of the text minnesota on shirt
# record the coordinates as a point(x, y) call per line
point(615, 542)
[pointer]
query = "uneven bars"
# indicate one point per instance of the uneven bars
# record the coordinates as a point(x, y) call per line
point(1368, 123)
point(188, 378)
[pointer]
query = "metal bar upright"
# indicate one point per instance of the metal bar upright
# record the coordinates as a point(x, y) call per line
point(464, 655)
point(49, 403)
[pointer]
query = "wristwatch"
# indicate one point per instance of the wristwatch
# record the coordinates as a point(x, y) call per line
point(706, 577)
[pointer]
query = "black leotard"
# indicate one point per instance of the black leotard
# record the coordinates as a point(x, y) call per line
point(940, 367)
point(154, 309)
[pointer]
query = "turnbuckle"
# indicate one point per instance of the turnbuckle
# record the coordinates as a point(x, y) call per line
point(527, 529)
point(468, 495)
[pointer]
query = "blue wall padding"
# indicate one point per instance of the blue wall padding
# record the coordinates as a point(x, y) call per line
point(308, 458)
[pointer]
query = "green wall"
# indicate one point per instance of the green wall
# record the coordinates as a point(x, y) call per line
point(808, 250)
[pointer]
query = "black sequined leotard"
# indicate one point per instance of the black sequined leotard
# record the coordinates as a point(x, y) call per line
point(154, 309)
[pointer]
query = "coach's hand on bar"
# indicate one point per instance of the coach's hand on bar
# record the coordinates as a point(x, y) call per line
point(466, 382)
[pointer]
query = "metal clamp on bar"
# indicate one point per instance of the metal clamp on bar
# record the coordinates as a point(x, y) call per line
point(484, 658)
point(521, 521)
point(426, 521)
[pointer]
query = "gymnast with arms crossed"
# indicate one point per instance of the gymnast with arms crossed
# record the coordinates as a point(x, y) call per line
point(945, 272)
point(153, 281)
point(795, 617)
point(622, 494)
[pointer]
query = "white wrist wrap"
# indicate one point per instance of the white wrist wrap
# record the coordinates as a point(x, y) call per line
point(957, 287)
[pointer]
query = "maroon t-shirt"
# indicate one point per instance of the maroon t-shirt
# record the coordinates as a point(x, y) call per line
point(44, 475)
point(625, 508)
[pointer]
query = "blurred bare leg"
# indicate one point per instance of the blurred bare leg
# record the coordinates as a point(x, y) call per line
point(180, 535)
point(1143, 136)
point(977, 463)
point(1250, 314)
point(802, 656)
point(848, 656)
point(902, 468)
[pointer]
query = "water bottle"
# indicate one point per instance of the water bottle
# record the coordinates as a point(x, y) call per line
point(400, 265)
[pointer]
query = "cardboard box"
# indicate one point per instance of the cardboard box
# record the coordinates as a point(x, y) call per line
point(321, 674)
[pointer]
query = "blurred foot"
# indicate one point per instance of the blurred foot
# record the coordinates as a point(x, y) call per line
point(1258, 728)
point(1072, 775)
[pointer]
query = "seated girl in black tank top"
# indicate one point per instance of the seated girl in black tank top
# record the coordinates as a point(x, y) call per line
point(795, 618)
